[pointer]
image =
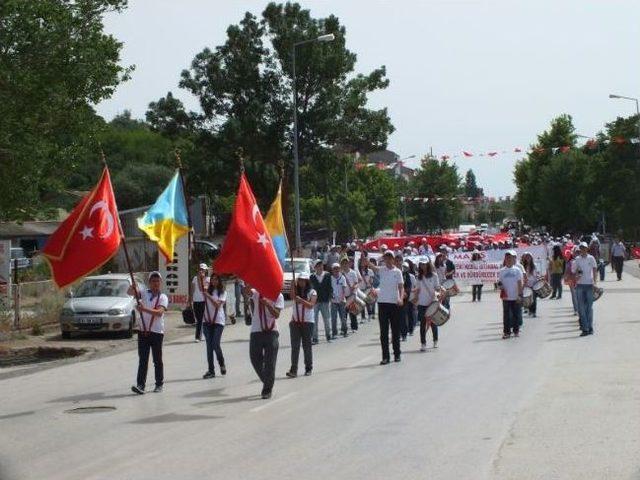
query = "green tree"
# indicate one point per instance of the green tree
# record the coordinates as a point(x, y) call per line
point(55, 63)
point(470, 186)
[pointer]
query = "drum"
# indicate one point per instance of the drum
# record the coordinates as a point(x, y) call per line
point(188, 317)
point(597, 293)
point(361, 295)
point(437, 313)
point(451, 288)
point(371, 296)
point(355, 305)
point(527, 297)
point(542, 288)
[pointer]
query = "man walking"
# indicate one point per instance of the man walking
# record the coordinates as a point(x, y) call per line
point(150, 323)
point(321, 283)
point(511, 281)
point(390, 301)
point(338, 298)
point(618, 252)
point(584, 268)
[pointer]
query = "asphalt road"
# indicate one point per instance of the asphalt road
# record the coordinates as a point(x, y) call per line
point(548, 405)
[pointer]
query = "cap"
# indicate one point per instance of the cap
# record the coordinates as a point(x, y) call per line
point(583, 245)
point(155, 275)
point(383, 246)
point(388, 253)
point(511, 252)
point(203, 266)
point(405, 265)
point(335, 265)
point(344, 259)
point(303, 276)
point(318, 262)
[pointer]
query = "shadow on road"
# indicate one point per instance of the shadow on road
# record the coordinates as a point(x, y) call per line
point(357, 367)
point(215, 392)
point(88, 397)
point(174, 417)
point(572, 337)
point(15, 415)
point(229, 401)
point(183, 380)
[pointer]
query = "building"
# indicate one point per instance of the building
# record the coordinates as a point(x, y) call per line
point(389, 161)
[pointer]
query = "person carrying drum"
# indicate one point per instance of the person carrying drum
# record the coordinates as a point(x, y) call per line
point(301, 325)
point(427, 290)
point(530, 279)
point(510, 280)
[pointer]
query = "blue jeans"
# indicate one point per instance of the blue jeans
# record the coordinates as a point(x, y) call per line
point(213, 335)
point(338, 308)
point(321, 308)
point(584, 296)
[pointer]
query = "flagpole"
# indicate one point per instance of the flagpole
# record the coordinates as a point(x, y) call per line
point(189, 223)
point(293, 270)
point(124, 242)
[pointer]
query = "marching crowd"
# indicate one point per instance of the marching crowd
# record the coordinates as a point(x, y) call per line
point(345, 290)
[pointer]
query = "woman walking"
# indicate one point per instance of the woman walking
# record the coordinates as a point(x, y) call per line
point(301, 325)
point(213, 325)
point(476, 284)
point(557, 265)
point(530, 278)
point(427, 289)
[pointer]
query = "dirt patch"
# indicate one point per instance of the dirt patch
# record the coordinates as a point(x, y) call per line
point(21, 356)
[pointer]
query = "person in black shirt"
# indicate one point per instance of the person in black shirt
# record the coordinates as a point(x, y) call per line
point(321, 283)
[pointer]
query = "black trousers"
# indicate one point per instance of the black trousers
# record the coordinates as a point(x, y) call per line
point(263, 351)
point(150, 342)
point(511, 316)
point(476, 292)
point(389, 314)
point(425, 324)
point(354, 321)
point(618, 263)
point(556, 285)
point(301, 332)
point(198, 311)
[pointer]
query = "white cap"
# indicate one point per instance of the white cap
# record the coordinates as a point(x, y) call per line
point(583, 244)
point(203, 266)
point(387, 252)
point(383, 246)
point(155, 274)
point(335, 265)
point(511, 252)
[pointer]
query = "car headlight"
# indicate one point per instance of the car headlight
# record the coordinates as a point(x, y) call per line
point(115, 311)
point(67, 312)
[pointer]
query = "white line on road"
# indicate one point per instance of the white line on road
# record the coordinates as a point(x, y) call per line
point(266, 405)
point(360, 362)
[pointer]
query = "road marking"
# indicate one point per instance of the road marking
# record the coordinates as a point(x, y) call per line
point(268, 404)
point(360, 362)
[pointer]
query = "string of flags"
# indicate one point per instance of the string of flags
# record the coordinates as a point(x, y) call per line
point(450, 199)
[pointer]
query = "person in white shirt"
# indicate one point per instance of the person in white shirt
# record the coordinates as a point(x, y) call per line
point(584, 268)
point(352, 279)
point(618, 251)
point(214, 321)
point(150, 325)
point(476, 283)
point(366, 276)
point(199, 285)
point(428, 290)
point(338, 301)
point(390, 301)
point(301, 325)
point(510, 279)
point(263, 342)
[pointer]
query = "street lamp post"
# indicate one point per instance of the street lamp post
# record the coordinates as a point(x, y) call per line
point(296, 167)
point(404, 198)
point(633, 99)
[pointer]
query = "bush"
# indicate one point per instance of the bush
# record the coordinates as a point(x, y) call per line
point(49, 308)
point(36, 328)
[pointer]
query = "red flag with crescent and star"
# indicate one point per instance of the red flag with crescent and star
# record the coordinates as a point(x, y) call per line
point(247, 250)
point(88, 238)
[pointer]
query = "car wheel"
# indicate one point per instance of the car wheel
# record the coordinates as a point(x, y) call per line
point(66, 335)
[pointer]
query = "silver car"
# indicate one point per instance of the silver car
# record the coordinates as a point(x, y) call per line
point(101, 304)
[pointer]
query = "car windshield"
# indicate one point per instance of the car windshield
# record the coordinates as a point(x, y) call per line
point(102, 288)
point(300, 266)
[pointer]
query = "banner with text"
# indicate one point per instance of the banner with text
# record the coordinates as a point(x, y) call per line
point(176, 273)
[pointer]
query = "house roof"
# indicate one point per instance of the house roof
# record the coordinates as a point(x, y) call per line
point(28, 229)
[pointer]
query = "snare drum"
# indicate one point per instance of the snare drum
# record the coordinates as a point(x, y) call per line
point(451, 288)
point(371, 296)
point(355, 305)
point(527, 297)
point(597, 293)
point(437, 313)
point(542, 288)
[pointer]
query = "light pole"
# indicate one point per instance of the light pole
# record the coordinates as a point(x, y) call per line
point(612, 95)
point(404, 198)
point(296, 167)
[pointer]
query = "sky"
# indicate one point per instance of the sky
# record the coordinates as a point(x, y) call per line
point(473, 75)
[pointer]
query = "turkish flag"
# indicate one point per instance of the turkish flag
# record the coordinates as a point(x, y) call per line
point(467, 154)
point(248, 250)
point(88, 238)
point(492, 154)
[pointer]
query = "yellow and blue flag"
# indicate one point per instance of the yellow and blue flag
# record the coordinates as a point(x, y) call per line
point(166, 221)
point(275, 226)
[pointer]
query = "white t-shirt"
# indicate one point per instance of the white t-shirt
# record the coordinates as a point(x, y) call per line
point(366, 279)
point(441, 271)
point(477, 266)
point(618, 250)
point(586, 264)
point(532, 277)
point(338, 288)
point(427, 289)
point(262, 316)
point(197, 292)
point(510, 276)
point(390, 278)
point(352, 279)
point(219, 316)
point(149, 300)
point(301, 310)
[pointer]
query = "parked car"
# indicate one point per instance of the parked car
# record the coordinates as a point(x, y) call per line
point(204, 251)
point(299, 265)
point(101, 304)
point(17, 253)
